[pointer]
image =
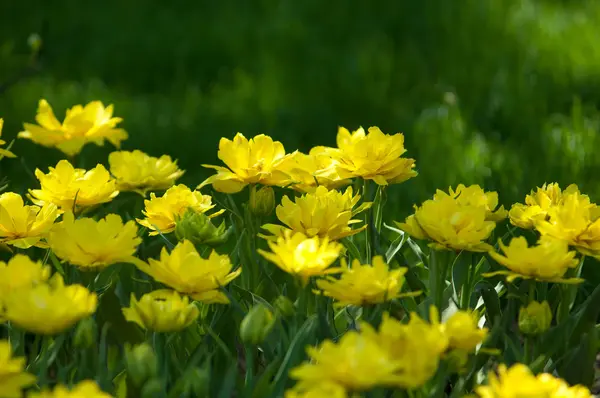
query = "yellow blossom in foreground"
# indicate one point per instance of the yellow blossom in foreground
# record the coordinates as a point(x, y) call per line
point(139, 172)
point(91, 244)
point(187, 272)
point(162, 311)
point(518, 381)
point(162, 213)
point(86, 388)
point(450, 225)
point(24, 226)
point(575, 221)
point(64, 184)
point(538, 202)
point(4, 152)
point(20, 272)
point(323, 213)
point(321, 390)
point(462, 331)
point(303, 257)
point(307, 172)
point(82, 124)
point(254, 161)
point(50, 308)
point(374, 156)
point(357, 363)
point(475, 196)
point(13, 378)
point(416, 346)
point(548, 261)
point(365, 284)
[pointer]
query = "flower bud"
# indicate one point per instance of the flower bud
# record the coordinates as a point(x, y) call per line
point(85, 334)
point(457, 360)
point(257, 324)
point(262, 201)
point(141, 363)
point(199, 229)
point(284, 306)
point(536, 318)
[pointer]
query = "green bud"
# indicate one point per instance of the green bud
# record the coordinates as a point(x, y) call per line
point(199, 229)
point(257, 324)
point(35, 42)
point(284, 306)
point(457, 360)
point(141, 363)
point(152, 388)
point(262, 201)
point(85, 334)
point(536, 318)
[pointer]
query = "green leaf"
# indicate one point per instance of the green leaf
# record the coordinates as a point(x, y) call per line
point(491, 300)
point(109, 313)
point(228, 383)
point(579, 367)
point(264, 387)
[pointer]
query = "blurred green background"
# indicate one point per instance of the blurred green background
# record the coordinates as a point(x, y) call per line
point(497, 92)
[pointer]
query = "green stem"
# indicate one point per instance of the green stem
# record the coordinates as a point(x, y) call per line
point(438, 268)
point(569, 292)
point(531, 297)
point(250, 351)
point(467, 288)
point(368, 218)
point(527, 350)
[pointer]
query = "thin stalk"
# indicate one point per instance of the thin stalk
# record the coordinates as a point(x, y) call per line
point(368, 219)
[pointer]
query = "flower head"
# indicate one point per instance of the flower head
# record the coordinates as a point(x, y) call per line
point(475, 196)
point(575, 221)
point(321, 390)
point(463, 332)
point(86, 388)
point(4, 152)
point(21, 273)
point(162, 311)
point(24, 226)
point(518, 381)
point(416, 346)
point(91, 244)
point(452, 223)
point(82, 124)
point(13, 378)
point(373, 156)
point(49, 308)
point(307, 172)
point(187, 272)
point(357, 363)
point(538, 203)
point(323, 213)
point(139, 172)
point(163, 212)
point(301, 256)
point(69, 188)
point(364, 284)
point(548, 261)
point(535, 318)
point(254, 161)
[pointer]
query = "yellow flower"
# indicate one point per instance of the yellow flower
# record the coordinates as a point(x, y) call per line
point(323, 213)
point(535, 318)
point(364, 284)
point(254, 161)
point(139, 172)
point(187, 272)
point(303, 257)
point(574, 221)
point(21, 273)
point(374, 156)
point(518, 381)
point(357, 362)
point(162, 213)
point(86, 388)
point(450, 225)
point(4, 152)
point(24, 226)
point(416, 346)
point(12, 376)
point(307, 172)
point(538, 202)
point(321, 390)
point(475, 196)
point(162, 311)
point(82, 124)
point(93, 245)
point(49, 308)
point(548, 261)
point(64, 184)
point(463, 332)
